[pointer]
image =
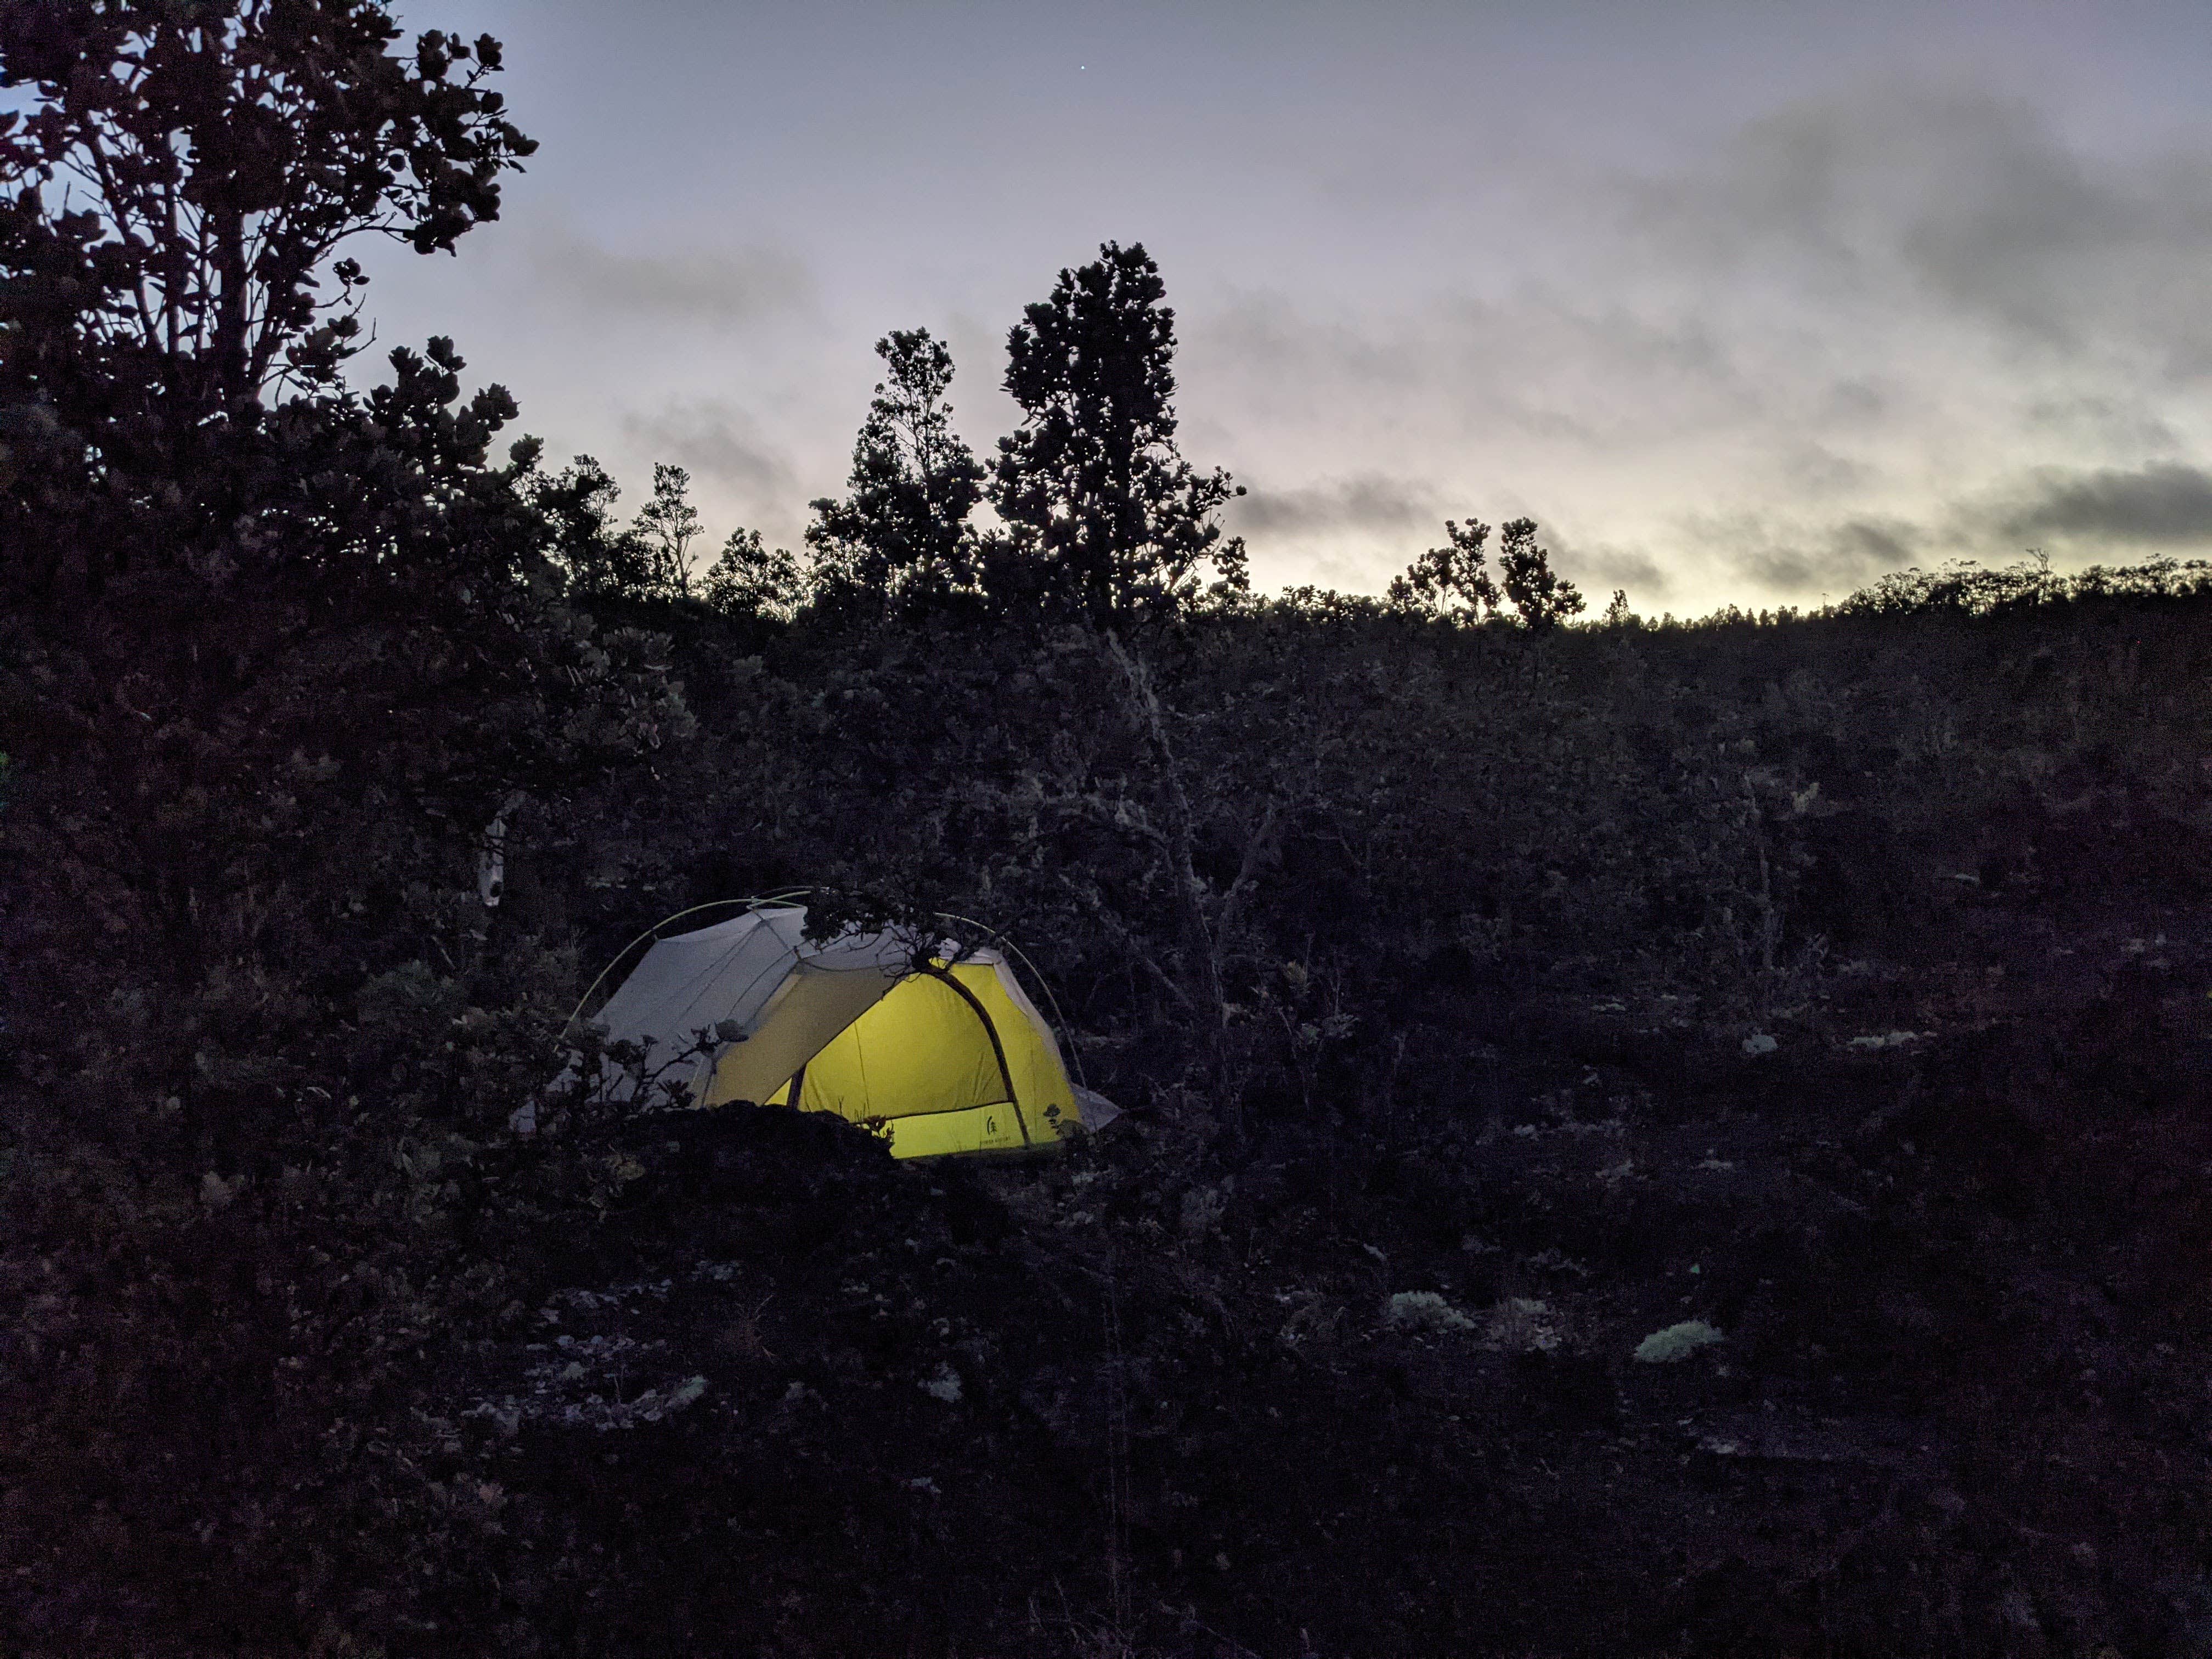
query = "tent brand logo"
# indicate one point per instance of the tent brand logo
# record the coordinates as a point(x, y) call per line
point(950, 1055)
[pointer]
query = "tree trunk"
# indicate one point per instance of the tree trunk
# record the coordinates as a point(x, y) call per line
point(229, 348)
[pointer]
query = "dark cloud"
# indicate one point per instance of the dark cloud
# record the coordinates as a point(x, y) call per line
point(2124, 423)
point(1804, 562)
point(1812, 468)
point(1953, 200)
point(724, 288)
point(1540, 363)
point(719, 443)
point(1369, 502)
point(2166, 504)
point(2163, 506)
point(1599, 570)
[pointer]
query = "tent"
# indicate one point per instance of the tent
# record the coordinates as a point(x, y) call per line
point(945, 1050)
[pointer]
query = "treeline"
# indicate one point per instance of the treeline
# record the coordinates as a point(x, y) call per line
point(1098, 519)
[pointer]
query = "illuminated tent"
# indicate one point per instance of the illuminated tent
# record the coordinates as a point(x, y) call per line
point(950, 1056)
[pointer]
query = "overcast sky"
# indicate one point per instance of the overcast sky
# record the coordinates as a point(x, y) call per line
point(1744, 301)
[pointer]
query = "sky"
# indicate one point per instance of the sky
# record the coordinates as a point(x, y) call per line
point(1745, 301)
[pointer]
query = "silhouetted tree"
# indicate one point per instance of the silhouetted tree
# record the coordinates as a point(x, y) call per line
point(1455, 580)
point(229, 584)
point(274, 653)
point(899, 539)
point(665, 528)
point(1451, 580)
point(215, 154)
point(1104, 518)
point(750, 579)
point(1543, 598)
point(600, 557)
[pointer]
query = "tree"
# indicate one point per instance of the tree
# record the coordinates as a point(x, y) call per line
point(226, 149)
point(750, 579)
point(1543, 598)
point(665, 528)
point(252, 621)
point(211, 155)
point(1104, 518)
point(597, 557)
point(274, 653)
point(1454, 580)
point(1451, 580)
point(900, 540)
point(647, 559)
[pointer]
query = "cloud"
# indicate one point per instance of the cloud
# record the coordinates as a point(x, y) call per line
point(720, 287)
point(1825, 346)
point(1369, 502)
point(719, 443)
point(1597, 570)
point(2166, 504)
point(1804, 561)
point(1945, 201)
point(2163, 506)
point(2124, 421)
point(1541, 363)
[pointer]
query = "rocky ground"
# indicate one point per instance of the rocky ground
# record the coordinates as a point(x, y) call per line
point(1878, 1328)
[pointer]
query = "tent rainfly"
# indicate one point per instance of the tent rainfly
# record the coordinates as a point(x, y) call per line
point(951, 1057)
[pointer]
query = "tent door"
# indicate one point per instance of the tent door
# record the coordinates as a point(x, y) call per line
point(998, 1049)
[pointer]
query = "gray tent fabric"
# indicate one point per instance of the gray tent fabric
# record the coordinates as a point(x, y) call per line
point(742, 970)
point(1098, 1110)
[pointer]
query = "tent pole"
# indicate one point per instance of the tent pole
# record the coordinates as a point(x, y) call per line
point(1067, 1031)
point(998, 1049)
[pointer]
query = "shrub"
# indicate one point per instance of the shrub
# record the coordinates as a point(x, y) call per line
point(1423, 1311)
point(1676, 1342)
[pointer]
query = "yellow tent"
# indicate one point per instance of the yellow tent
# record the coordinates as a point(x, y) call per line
point(945, 1054)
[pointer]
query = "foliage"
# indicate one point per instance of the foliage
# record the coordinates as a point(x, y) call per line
point(748, 580)
point(666, 527)
point(1425, 1310)
point(274, 651)
point(599, 560)
point(1454, 580)
point(227, 148)
point(1105, 520)
point(899, 543)
point(1543, 598)
point(1965, 587)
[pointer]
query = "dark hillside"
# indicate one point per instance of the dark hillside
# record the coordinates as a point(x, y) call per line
point(1839, 982)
